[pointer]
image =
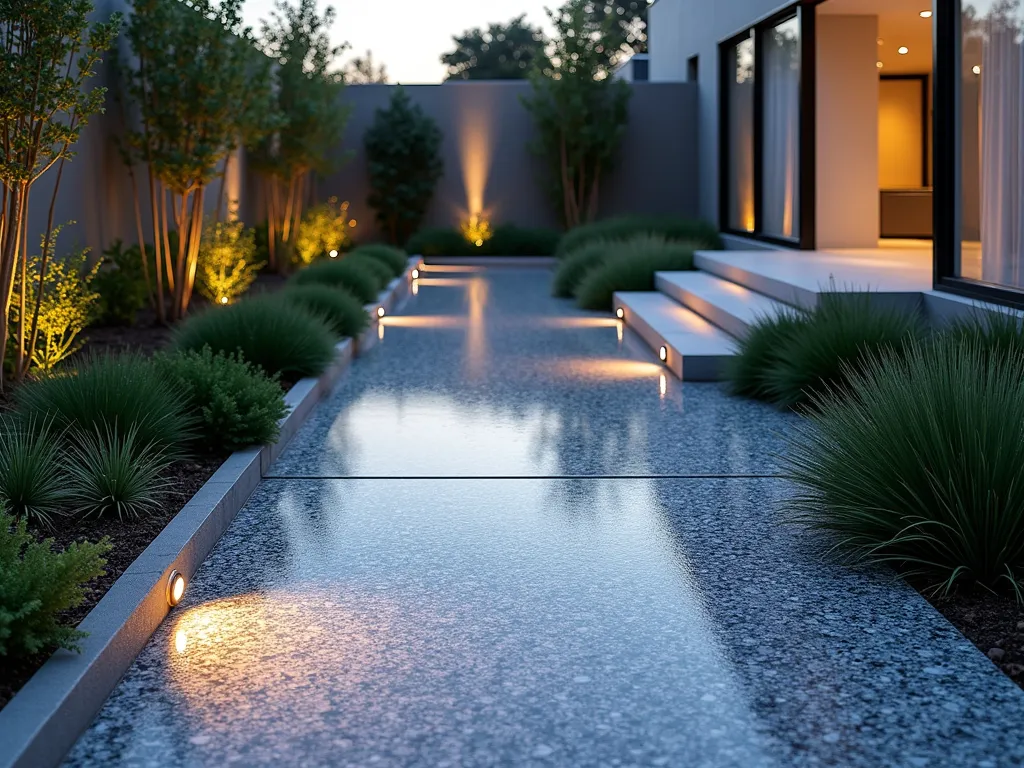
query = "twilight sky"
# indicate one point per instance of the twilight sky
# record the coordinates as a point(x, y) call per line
point(409, 36)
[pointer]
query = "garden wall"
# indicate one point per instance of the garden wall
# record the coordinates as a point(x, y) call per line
point(488, 164)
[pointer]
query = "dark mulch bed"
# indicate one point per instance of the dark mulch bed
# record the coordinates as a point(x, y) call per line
point(129, 539)
point(994, 623)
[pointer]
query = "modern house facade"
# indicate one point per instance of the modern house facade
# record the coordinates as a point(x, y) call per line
point(894, 126)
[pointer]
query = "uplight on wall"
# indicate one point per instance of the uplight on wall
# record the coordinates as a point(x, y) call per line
point(223, 299)
point(477, 229)
point(333, 253)
point(175, 588)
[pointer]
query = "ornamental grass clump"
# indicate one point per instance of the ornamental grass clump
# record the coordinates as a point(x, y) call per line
point(31, 482)
point(394, 258)
point(577, 264)
point(342, 311)
point(266, 331)
point(37, 584)
point(842, 334)
point(998, 332)
point(759, 353)
point(630, 266)
point(371, 266)
point(697, 231)
point(122, 392)
point(341, 273)
point(919, 464)
point(238, 404)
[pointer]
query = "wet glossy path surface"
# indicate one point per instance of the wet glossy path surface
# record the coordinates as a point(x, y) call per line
point(472, 555)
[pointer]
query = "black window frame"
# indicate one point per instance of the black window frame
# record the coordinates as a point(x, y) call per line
point(805, 14)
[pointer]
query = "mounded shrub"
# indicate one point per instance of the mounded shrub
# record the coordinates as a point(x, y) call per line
point(696, 231)
point(340, 273)
point(760, 352)
point(920, 465)
point(380, 271)
point(37, 584)
point(506, 240)
point(575, 266)
point(267, 331)
point(342, 311)
point(394, 258)
point(120, 392)
point(31, 482)
point(840, 335)
point(630, 266)
point(116, 474)
point(238, 404)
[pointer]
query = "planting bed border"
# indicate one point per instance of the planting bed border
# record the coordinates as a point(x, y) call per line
point(491, 261)
point(45, 718)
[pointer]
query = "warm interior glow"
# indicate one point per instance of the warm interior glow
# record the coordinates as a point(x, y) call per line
point(900, 134)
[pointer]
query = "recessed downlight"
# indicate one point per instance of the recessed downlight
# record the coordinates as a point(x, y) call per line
point(903, 50)
point(926, 14)
point(879, 64)
point(976, 69)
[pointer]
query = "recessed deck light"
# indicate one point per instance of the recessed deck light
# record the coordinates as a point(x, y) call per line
point(620, 313)
point(415, 274)
point(663, 354)
point(175, 588)
point(380, 312)
point(903, 50)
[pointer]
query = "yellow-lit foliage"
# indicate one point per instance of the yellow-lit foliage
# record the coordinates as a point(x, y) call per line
point(67, 306)
point(227, 261)
point(477, 229)
point(324, 228)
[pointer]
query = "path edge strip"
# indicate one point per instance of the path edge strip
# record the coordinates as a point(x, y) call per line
point(46, 717)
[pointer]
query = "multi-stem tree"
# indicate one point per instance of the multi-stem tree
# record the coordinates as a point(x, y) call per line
point(48, 52)
point(189, 82)
point(580, 111)
point(308, 94)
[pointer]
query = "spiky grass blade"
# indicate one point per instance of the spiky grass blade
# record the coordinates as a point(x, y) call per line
point(31, 483)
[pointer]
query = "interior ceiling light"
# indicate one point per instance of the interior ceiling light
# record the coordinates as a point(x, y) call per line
point(879, 64)
point(881, 41)
point(976, 70)
point(926, 14)
point(903, 50)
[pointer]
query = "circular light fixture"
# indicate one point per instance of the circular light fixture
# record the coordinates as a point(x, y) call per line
point(353, 223)
point(880, 41)
point(223, 299)
point(663, 354)
point(976, 69)
point(903, 50)
point(479, 243)
point(879, 64)
point(620, 313)
point(926, 14)
point(333, 253)
point(175, 588)
point(380, 311)
point(415, 274)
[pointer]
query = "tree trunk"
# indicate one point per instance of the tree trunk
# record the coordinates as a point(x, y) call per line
point(161, 313)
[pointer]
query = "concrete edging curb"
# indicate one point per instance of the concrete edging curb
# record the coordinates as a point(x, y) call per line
point(491, 261)
point(45, 718)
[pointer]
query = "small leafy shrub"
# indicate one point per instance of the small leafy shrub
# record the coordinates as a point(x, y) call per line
point(112, 473)
point(394, 258)
point(266, 331)
point(506, 240)
point(403, 151)
point(760, 353)
point(920, 465)
point(31, 482)
point(342, 311)
point(840, 335)
point(340, 273)
point(324, 228)
point(227, 261)
point(630, 266)
point(575, 266)
point(121, 284)
point(68, 305)
point(122, 392)
point(380, 271)
point(238, 404)
point(700, 233)
point(37, 584)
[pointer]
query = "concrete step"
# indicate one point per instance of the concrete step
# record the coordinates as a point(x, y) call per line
point(694, 349)
point(730, 306)
point(776, 275)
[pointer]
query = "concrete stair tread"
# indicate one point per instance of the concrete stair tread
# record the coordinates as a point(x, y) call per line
point(730, 306)
point(696, 348)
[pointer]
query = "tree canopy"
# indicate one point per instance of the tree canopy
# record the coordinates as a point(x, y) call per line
point(363, 70)
point(501, 52)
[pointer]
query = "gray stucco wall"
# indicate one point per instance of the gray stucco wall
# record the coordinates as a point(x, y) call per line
point(488, 164)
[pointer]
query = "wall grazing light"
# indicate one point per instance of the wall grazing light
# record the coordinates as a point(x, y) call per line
point(663, 354)
point(620, 313)
point(380, 312)
point(333, 253)
point(477, 229)
point(903, 50)
point(175, 588)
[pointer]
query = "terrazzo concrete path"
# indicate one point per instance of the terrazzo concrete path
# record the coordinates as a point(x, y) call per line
point(510, 539)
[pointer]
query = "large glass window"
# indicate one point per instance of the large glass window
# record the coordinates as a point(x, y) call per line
point(781, 152)
point(740, 97)
point(992, 143)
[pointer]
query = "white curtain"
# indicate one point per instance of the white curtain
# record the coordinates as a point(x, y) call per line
point(781, 193)
point(1002, 153)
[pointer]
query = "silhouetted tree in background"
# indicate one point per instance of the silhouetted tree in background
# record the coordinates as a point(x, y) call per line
point(500, 52)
